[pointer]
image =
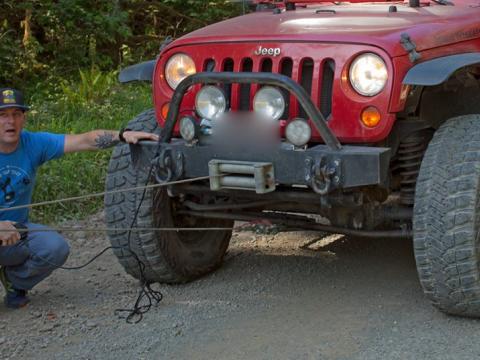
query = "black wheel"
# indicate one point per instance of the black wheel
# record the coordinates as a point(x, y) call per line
point(447, 218)
point(171, 257)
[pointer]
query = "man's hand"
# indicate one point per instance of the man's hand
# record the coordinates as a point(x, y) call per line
point(8, 234)
point(133, 137)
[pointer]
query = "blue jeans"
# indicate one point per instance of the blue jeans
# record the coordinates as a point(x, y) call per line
point(29, 262)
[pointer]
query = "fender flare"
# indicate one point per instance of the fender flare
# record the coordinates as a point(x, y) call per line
point(138, 72)
point(437, 71)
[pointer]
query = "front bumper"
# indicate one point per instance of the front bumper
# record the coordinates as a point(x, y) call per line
point(322, 167)
point(319, 167)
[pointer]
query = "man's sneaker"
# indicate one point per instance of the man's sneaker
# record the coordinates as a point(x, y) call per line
point(14, 298)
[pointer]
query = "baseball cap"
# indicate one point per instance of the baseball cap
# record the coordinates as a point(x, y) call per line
point(11, 98)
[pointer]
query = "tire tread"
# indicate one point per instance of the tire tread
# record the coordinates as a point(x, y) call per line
point(446, 218)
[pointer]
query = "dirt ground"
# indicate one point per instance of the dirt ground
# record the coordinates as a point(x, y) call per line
point(274, 298)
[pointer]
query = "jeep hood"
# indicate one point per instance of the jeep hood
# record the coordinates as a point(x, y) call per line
point(370, 23)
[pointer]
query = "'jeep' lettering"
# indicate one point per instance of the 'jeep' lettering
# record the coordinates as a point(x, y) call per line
point(267, 51)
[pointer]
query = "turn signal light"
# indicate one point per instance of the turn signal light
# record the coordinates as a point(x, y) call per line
point(371, 117)
point(165, 109)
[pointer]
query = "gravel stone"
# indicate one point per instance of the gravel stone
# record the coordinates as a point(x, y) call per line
point(91, 324)
point(35, 314)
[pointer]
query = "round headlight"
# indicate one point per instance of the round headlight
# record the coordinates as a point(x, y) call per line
point(368, 74)
point(178, 68)
point(269, 102)
point(188, 128)
point(298, 132)
point(210, 102)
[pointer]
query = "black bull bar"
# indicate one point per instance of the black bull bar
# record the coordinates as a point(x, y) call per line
point(323, 167)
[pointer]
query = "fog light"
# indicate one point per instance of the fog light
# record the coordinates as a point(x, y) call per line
point(210, 102)
point(188, 128)
point(371, 117)
point(298, 132)
point(269, 102)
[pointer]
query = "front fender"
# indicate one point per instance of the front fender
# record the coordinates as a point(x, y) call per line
point(138, 72)
point(437, 71)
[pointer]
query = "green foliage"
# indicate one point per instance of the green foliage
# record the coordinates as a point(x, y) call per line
point(94, 87)
point(40, 38)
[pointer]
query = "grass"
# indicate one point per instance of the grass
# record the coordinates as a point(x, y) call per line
point(70, 112)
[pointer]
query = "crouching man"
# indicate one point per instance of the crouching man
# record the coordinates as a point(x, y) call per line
point(26, 262)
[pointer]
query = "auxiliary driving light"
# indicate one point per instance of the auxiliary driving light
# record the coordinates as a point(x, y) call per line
point(269, 103)
point(298, 132)
point(210, 102)
point(188, 128)
point(368, 74)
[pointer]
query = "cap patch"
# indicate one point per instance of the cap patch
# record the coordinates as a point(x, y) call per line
point(8, 97)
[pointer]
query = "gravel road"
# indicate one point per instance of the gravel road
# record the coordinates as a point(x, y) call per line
point(275, 298)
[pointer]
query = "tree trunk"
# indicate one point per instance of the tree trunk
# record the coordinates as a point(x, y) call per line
point(27, 30)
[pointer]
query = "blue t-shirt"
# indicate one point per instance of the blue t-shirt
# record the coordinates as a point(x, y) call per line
point(18, 170)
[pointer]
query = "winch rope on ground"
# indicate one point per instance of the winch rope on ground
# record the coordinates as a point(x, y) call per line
point(153, 297)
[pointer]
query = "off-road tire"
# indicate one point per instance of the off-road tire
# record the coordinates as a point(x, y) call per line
point(169, 257)
point(447, 218)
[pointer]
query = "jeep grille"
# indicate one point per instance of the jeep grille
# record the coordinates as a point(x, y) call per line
point(240, 96)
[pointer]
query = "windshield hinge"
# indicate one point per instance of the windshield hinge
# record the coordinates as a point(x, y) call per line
point(411, 47)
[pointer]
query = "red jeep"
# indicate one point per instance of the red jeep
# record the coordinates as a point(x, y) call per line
point(366, 114)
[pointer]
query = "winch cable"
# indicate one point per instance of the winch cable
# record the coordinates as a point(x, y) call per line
point(107, 229)
point(135, 314)
point(154, 297)
point(100, 194)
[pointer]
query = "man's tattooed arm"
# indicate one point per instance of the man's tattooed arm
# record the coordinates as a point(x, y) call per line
point(106, 140)
point(103, 139)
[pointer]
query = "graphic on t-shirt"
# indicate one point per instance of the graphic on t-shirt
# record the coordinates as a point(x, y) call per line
point(7, 189)
point(14, 181)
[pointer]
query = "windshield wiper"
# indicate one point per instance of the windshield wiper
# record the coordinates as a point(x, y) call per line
point(444, 2)
point(325, 11)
